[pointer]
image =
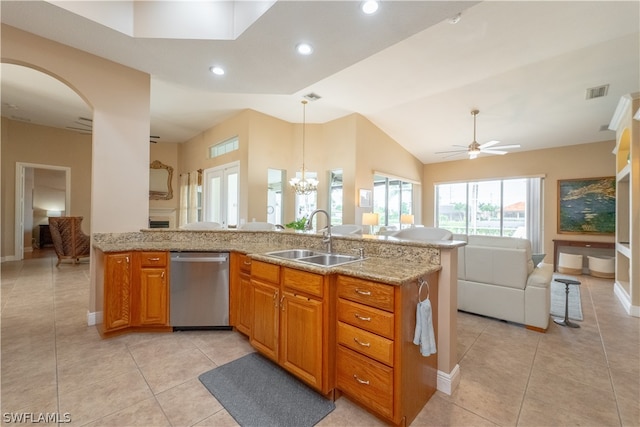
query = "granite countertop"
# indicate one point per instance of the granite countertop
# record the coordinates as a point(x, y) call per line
point(385, 270)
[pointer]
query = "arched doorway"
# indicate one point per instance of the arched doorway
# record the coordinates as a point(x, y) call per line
point(47, 122)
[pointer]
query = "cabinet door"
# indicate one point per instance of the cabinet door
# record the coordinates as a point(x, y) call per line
point(301, 338)
point(245, 309)
point(117, 291)
point(154, 309)
point(264, 326)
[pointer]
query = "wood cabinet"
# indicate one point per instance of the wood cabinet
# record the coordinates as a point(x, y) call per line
point(291, 313)
point(240, 293)
point(152, 289)
point(117, 291)
point(377, 364)
point(136, 292)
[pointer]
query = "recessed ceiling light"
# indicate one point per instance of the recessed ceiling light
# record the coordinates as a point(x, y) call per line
point(455, 19)
point(218, 71)
point(304, 48)
point(369, 6)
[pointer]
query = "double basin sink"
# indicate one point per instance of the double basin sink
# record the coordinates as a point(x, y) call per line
point(322, 259)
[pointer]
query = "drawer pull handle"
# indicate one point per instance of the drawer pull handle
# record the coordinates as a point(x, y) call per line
point(364, 344)
point(153, 259)
point(365, 382)
point(365, 319)
point(361, 292)
point(246, 262)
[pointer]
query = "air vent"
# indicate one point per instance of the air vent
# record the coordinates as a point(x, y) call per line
point(312, 97)
point(597, 92)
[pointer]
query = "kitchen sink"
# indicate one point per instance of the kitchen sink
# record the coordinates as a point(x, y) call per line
point(293, 253)
point(329, 259)
point(314, 257)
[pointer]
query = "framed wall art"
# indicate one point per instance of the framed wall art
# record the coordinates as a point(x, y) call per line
point(587, 206)
point(365, 198)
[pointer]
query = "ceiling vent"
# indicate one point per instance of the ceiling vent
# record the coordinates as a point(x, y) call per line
point(312, 97)
point(597, 92)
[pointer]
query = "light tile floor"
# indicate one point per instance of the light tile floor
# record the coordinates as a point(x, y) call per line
point(53, 363)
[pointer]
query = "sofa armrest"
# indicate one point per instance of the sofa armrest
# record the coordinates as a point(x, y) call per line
point(541, 276)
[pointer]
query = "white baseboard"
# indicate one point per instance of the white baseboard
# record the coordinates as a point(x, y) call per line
point(448, 382)
point(8, 258)
point(621, 294)
point(94, 318)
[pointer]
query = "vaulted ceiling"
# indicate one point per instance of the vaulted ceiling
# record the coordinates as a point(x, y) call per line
point(415, 69)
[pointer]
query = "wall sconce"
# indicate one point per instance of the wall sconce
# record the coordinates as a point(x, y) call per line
point(406, 219)
point(370, 219)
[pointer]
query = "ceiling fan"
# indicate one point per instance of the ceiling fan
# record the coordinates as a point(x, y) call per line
point(474, 149)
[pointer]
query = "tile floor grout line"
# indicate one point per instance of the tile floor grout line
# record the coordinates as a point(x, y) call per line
point(606, 355)
point(526, 388)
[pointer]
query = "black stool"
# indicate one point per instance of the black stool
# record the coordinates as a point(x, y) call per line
point(565, 321)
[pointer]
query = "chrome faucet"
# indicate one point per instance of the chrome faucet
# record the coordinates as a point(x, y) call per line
point(327, 234)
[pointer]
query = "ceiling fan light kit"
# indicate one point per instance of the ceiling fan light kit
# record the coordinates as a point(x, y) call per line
point(475, 149)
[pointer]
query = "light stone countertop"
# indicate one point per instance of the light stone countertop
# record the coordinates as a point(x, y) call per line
point(387, 261)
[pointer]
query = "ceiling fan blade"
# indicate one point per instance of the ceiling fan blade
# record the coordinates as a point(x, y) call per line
point(507, 147)
point(489, 144)
point(451, 151)
point(493, 152)
point(455, 154)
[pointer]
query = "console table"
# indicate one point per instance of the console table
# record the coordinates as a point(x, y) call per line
point(580, 244)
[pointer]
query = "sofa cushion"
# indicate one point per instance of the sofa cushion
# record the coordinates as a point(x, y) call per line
point(504, 242)
point(497, 266)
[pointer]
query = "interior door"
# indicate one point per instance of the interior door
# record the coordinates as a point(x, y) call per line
point(222, 194)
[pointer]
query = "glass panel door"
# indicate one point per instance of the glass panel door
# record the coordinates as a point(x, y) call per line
point(221, 194)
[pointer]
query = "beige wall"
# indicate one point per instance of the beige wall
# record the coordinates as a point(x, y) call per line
point(120, 99)
point(43, 145)
point(576, 161)
point(351, 143)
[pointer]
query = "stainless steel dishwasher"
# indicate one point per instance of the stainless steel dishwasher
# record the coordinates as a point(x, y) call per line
point(199, 290)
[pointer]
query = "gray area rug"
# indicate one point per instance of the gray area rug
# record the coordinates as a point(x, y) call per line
point(257, 392)
point(558, 295)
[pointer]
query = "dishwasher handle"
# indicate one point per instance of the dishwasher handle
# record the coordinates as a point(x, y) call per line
point(199, 259)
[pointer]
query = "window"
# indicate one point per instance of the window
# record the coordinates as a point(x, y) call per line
point(508, 207)
point(335, 196)
point(223, 147)
point(392, 197)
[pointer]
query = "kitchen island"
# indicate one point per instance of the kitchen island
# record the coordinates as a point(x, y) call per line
point(392, 266)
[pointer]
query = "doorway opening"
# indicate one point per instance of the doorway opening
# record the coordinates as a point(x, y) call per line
point(42, 191)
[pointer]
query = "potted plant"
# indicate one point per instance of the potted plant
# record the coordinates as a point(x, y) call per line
point(298, 224)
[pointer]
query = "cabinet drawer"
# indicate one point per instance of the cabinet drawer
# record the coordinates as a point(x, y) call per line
point(265, 271)
point(304, 281)
point(245, 263)
point(153, 259)
point(373, 320)
point(366, 292)
point(365, 380)
point(364, 342)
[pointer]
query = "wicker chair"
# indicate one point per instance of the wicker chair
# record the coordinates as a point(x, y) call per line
point(69, 240)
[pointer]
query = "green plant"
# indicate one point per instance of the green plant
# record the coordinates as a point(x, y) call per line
point(298, 224)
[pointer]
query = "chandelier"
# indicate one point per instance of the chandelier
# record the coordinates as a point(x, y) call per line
point(303, 186)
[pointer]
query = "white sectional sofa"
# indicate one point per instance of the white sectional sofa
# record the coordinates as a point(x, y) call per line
point(497, 278)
